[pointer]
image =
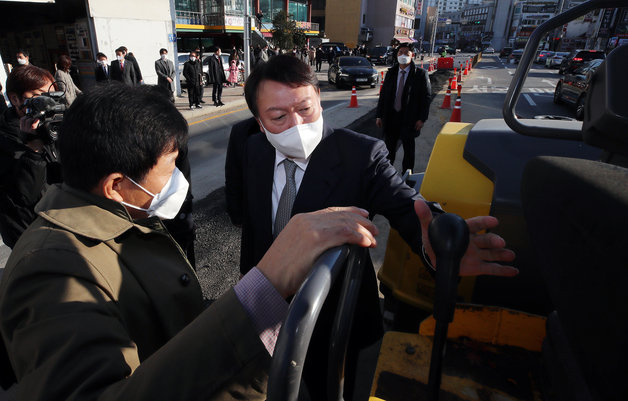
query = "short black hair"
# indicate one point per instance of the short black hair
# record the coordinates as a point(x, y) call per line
point(162, 51)
point(404, 45)
point(99, 55)
point(24, 52)
point(284, 69)
point(121, 49)
point(118, 129)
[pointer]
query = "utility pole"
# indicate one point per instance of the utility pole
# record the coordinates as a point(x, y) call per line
point(434, 30)
point(247, 39)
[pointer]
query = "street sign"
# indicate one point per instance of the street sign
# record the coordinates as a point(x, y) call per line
point(172, 37)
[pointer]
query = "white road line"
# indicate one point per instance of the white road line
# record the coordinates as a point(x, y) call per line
point(529, 99)
point(490, 81)
point(550, 83)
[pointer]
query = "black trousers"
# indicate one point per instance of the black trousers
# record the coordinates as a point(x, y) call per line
point(392, 134)
point(217, 92)
point(193, 92)
point(319, 63)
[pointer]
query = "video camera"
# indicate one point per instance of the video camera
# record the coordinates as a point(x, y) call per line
point(48, 108)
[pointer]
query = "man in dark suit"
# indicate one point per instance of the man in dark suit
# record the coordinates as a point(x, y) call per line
point(130, 57)
point(122, 70)
point(403, 106)
point(299, 164)
point(102, 71)
point(165, 73)
point(234, 176)
point(199, 61)
point(217, 76)
point(192, 72)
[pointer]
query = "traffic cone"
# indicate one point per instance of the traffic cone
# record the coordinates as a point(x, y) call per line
point(447, 100)
point(454, 83)
point(430, 68)
point(354, 99)
point(466, 69)
point(459, 90)
point(381, 83)
point(456, 114)
point(460, 75)
point(450, 79)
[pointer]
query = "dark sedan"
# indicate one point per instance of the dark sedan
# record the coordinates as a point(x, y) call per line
point(352, 70)
point(572, 88)
point(378, 55)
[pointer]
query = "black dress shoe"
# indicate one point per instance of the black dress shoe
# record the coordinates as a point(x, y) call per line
point(216, 104)
point(202, 101)
point(220, 103)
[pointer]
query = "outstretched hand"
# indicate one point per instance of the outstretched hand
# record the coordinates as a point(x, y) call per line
point(486, 252)
point(306, 237)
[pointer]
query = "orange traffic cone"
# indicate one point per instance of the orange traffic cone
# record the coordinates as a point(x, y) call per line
point(447, 100)
point(460, 75)
point(459, 90)
point(430, 68)
point(454, 83)
point(470, 65)
point(455, 115)
point(381, 83)
point(466, 69)
point(354, 99)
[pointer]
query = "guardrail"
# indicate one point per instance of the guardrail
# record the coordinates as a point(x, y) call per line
point(189, 17)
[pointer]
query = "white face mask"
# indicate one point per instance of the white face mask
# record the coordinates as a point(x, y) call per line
point(167, 203)
point(298, 141)
point(404, 59)
point(164, 56)
point(21, 61)
point(102, 62)
point(192, 59)
point(120, 58)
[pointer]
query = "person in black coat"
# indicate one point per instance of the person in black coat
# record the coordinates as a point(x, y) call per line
point(217, 76)
point(123, 70)
point(234, 180)
point(102, 71)
point(403, 106)
point(199, 61)
point(320, 55)
point(192, 72)
point(128, 56)
point(28, 160)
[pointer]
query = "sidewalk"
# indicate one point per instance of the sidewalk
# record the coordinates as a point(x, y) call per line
point(232, 97)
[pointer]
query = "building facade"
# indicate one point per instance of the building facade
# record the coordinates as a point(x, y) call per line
point(527, 16)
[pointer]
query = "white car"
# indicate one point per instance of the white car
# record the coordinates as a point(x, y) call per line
point(489, 50)
point(556, 59)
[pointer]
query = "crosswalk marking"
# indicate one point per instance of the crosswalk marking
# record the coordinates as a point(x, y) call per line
point(500, 89)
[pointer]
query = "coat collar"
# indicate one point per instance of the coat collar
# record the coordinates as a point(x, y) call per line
point(88, 215)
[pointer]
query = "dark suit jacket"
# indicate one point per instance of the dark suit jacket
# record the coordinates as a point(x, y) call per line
point(216, 71)
point(346, 169)
point(136, 66)
point(100, 74)
point(192, 73)
point(415, 103)
point(165, 70)
point(234, 175)
point(127, 75)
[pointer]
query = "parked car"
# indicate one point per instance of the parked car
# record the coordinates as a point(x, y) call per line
point(577, 57)
point(555, 60)
point(515, 56)
point(505, 52)
point(542, 56)
point(352, 70)
point(377, 55)
point(489, 50)
point(573, 87)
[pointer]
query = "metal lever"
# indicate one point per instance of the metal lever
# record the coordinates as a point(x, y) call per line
point(449, 237)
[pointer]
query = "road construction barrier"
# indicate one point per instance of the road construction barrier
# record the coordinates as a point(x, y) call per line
point(354, 99)
point(445, 63)
point(447, 100)
point(456, 116)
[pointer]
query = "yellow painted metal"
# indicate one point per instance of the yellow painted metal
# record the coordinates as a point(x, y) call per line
point(493, 325)
point(459, 188)
point(506, 331)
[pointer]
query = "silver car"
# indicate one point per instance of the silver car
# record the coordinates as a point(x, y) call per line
point(555, 60)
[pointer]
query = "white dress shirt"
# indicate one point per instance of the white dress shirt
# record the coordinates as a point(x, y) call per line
point(279, 178)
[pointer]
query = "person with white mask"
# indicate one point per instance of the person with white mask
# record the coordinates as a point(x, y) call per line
point(165, 72)
point(403, 106)
point(298, 164)
point(102, 71)
point(22, 57)
point(123, 70)
point(97, 299)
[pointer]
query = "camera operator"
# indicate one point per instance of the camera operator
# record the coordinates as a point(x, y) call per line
point(28, 158)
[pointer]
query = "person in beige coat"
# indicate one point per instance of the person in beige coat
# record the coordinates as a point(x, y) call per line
point(64, 80)
point(98, 302)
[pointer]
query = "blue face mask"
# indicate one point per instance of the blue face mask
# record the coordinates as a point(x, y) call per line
point(167, 203)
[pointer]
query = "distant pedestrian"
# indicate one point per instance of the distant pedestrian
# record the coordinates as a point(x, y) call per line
point(199, 61)
point(320, 55)
point(165, 73)
point(22, 57)
point(102, 71)
point(263, 55)
point(233, 73)
point(217, 76)
point(192, 74)
point(139, 80)
point(64, 80)
point(311, 55)
point(123, 70)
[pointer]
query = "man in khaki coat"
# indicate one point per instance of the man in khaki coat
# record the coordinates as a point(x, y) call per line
point(98, 302)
